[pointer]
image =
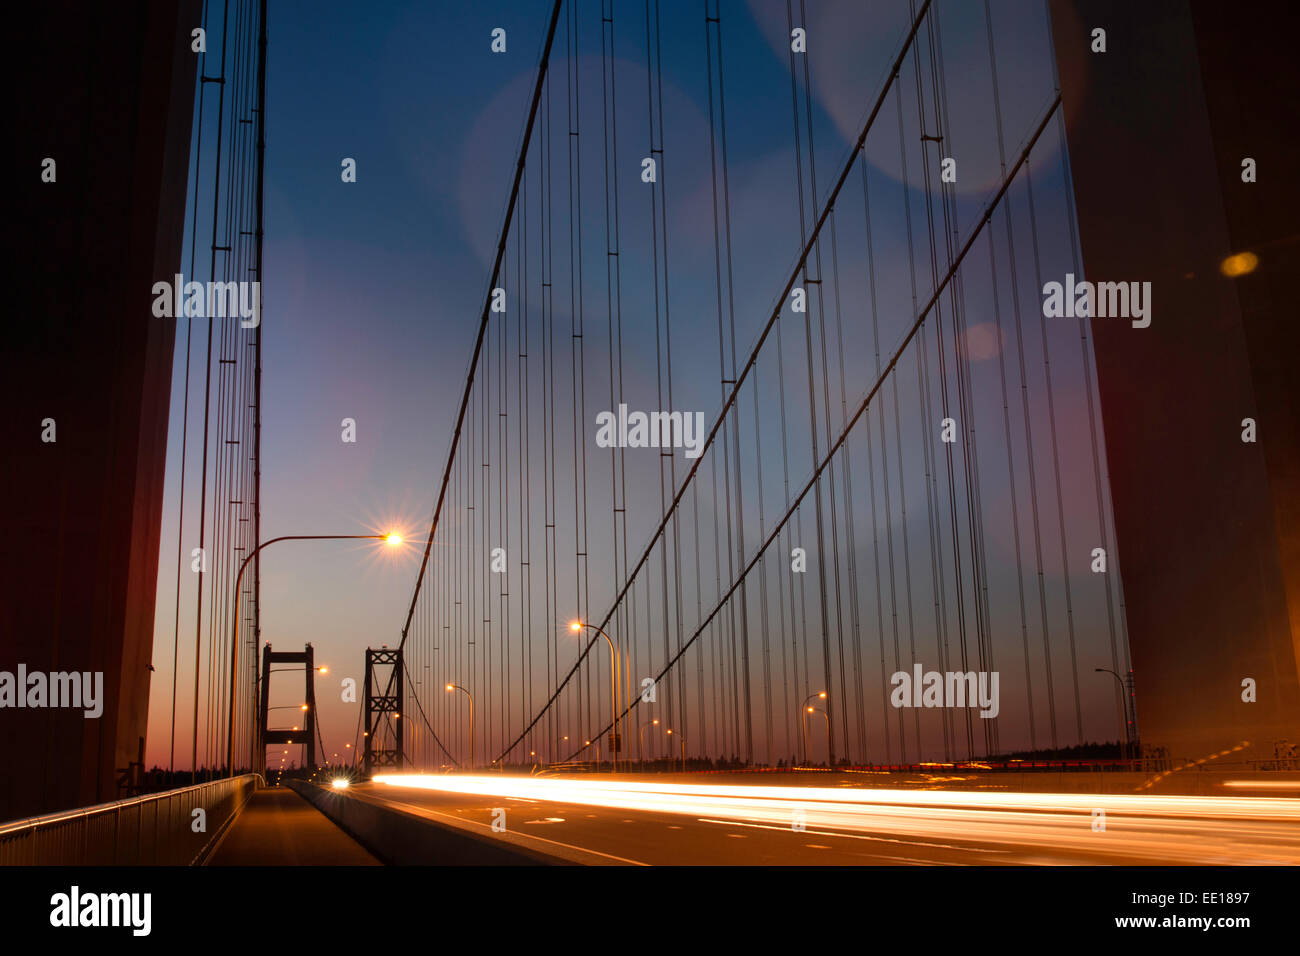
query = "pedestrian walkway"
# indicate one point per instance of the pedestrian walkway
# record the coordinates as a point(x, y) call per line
point(279, 828)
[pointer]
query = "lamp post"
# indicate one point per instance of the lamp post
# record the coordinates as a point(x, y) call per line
point(814, 710)
point(641, 740)
point(683, 740)
point(286, 670)
point(1126, 689)
point(804, 710)
point(392, 538)
point(576, 627)
point(455, 687)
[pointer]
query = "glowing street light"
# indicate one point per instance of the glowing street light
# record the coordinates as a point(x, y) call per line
point(456, 687)
point(285, 670)
point(392, 538)
point(641, 738)
point(815, 710)
point(683, 740)
point(804, 710)
point(576, 627)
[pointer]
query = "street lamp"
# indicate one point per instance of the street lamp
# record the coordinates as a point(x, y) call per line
point(281, 670)
point(814, 710)
point(576, 627)
point(683, 740)
point(1126, 690)
point(392, 538)
point(804, 710)
point(641, 739)
point(455, 687)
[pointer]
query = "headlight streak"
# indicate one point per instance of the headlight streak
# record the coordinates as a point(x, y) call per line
point(1173, 828)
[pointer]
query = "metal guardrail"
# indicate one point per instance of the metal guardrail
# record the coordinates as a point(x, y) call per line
point(153, 830)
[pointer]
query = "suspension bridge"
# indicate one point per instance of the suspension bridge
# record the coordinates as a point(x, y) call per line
point(769, 484)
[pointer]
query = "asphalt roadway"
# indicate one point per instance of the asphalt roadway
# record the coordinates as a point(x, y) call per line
point(626, 821)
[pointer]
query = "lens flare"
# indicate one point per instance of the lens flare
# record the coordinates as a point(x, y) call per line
point(1243, 263)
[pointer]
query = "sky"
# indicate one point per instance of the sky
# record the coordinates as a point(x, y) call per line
point(373, 288)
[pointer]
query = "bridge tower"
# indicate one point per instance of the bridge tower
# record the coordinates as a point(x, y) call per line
point(307, 658)
point(1206, 514)
point(383, 708)
point(99, 366)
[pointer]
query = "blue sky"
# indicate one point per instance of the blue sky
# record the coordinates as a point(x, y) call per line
point(373, 289)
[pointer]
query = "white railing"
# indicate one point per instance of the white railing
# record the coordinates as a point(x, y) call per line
point(159, 829)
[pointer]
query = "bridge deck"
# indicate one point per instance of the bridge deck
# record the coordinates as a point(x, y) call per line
point(279, 828)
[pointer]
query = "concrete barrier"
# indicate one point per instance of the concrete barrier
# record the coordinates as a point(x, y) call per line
point(403, 839)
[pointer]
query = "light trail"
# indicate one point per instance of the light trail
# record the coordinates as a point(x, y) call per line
point(587, 791)
point(1175, 829)
point(1293, 785)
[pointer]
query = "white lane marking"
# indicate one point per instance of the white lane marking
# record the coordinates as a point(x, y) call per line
point(426, 812)
point(909, 859)
point(850, 836)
